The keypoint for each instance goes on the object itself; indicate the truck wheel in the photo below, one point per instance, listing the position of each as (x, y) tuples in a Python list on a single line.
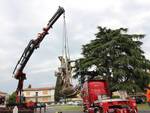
[(98, 110), (135, 111), (84, 109)]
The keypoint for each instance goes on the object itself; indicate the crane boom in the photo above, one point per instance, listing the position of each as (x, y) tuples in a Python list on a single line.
[(33, 44)]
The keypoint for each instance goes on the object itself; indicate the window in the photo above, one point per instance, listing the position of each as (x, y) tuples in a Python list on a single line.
[(28, 93), (36, 93), (45, 92), (45, 99)]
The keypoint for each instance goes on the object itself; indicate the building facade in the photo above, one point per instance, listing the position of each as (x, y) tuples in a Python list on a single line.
[(3, 97), (121, 94), (42, 95)]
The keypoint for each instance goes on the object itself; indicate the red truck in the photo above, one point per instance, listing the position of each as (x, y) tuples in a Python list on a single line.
[(96, 99)]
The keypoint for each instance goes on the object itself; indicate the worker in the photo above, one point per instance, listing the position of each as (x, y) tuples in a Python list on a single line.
[(148, 95)]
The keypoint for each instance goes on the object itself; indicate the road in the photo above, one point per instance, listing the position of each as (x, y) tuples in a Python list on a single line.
[(51, 110), (144, 111)]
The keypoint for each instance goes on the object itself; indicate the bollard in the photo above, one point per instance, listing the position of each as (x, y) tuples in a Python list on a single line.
[(15, 110), (40, 109), (35, 110), (58, 112), (44, 109)]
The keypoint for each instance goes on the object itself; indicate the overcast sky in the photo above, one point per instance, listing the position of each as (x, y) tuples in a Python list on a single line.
[(21, 20)]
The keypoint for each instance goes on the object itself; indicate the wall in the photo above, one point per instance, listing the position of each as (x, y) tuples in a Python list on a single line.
[(46, 96)]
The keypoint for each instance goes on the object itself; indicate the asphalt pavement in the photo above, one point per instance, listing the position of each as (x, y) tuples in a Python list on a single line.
[(51, 110), (143, 111)]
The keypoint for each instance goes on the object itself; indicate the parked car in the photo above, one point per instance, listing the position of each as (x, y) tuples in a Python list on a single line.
[(70, 103), (139, 99), (77, 103), (41, 105)]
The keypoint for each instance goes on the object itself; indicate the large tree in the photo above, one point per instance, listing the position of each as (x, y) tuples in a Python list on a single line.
[(118, 58), (12, 98)]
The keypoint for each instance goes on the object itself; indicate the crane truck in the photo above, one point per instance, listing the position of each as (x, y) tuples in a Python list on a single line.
[(97, 99), (33, 45)]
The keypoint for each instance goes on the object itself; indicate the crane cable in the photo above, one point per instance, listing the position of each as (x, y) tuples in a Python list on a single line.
[(65, 48)]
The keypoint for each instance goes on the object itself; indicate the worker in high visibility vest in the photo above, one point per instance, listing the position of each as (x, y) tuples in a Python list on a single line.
[(148, 95)]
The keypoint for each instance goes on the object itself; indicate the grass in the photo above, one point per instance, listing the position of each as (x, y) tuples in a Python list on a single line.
[(79, 108), (67, 108), (143, 107)]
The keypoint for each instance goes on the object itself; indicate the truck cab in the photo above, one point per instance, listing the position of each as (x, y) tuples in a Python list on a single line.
[(96, 99)]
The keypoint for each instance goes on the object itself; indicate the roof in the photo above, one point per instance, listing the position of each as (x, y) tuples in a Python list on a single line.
[(38, 89), (37, 96), (2, 92)]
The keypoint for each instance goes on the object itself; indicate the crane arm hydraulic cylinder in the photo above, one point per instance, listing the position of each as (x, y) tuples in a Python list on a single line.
[(33, 44)]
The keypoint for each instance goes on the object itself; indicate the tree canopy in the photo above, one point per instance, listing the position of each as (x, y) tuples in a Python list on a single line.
[(118, 58), (12, 98)]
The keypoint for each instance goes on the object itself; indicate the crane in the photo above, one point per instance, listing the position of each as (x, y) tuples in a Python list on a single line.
[(64, 87), (33, 44)]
